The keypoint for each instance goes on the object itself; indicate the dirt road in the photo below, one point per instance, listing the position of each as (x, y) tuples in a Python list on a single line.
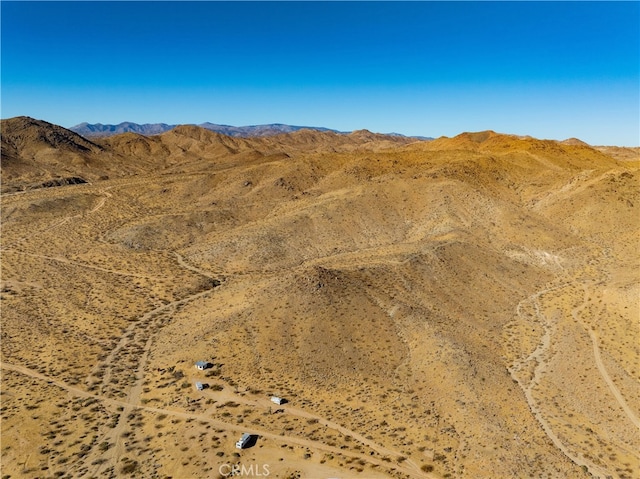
[(410, 471)]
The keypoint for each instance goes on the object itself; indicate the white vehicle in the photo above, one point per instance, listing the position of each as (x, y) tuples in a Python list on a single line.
[(244, 440)]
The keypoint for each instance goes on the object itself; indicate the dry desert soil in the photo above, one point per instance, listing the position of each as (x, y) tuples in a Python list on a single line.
[(466, 307)]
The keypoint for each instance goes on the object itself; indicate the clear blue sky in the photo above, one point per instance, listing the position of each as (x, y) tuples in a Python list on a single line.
[(547, 69)]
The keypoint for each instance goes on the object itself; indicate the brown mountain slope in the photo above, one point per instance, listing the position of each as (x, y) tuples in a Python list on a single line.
[(491, 142), (574, 141), (36, 153), (468, 311), (24, 134), (622, 153)]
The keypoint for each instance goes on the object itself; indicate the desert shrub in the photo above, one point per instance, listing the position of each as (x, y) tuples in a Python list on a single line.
[(129, 467)]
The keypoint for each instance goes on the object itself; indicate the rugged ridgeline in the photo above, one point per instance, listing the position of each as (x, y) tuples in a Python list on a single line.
[(99, 130), (148, 129), (465, 307), (36, 153)]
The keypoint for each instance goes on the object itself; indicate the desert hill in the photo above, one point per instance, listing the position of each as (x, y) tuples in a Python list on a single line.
[(496, 143), (30, 147), (38, 154), (23, 134), (621, 153), (465, 307)]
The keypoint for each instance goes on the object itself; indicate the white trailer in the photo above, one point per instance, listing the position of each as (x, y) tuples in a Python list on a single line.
[(244, 440)]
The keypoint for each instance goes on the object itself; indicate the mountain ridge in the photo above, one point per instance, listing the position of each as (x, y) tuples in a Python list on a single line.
[(96, 130), (36, 153)]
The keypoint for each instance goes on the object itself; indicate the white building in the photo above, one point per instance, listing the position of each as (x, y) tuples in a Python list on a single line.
[(202, 365)]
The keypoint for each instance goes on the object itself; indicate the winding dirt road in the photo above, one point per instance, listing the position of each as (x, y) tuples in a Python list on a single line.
[(539, 355), (411, 472)]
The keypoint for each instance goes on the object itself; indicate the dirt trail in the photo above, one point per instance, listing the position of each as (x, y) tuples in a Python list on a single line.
[(539, 356), (146, 326), (612, 387), (64, 220), (358, 437), (34, 374), (109, 361), (266, 404), (574, 185), (411, 472), (103, 200), (192, 268), (133, 399), (601, 367), (61, 259)]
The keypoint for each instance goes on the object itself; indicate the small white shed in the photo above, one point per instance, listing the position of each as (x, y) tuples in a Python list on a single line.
[(202, 365), (278, 400)]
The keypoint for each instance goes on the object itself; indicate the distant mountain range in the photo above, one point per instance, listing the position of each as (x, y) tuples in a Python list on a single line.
[(37, 154), (99, 130)]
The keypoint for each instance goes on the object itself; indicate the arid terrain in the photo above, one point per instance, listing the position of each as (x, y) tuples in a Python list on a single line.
[(466, 307)]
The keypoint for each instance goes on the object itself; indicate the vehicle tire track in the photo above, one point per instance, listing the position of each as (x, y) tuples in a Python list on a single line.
[(538, 356), (218, 423), (601, 367), (147, 324), (71, 262), (133, 399), (267, 404), (110, 360), (105, 194)]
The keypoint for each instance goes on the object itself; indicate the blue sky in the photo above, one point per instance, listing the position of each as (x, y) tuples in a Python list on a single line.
[(547, 69)]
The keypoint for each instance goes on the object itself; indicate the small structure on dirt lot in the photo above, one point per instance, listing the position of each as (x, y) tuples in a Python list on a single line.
[(202, 365), (277, 400), (244, 440), (199, 386)]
